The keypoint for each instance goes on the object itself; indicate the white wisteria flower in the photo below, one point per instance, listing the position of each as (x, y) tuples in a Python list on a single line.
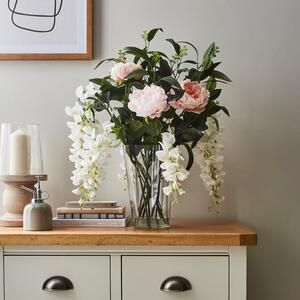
[(208, 155), (90, 142), (173, 171), (84, 94)]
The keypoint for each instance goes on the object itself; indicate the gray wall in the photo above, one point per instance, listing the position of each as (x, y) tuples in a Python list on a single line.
[(260, 47)]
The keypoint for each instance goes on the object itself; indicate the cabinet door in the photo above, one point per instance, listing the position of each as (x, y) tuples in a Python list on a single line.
[(144, 277), (26, 275)]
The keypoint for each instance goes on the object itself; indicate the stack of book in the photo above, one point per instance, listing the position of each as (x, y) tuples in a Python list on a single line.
[(94, 214)]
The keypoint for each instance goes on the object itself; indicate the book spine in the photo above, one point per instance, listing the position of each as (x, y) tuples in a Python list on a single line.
[(112, 210), (90, 223), (90, 216), (92, 204)]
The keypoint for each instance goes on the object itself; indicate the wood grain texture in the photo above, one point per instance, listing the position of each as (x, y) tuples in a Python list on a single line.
[(88, 55), (181, 233)]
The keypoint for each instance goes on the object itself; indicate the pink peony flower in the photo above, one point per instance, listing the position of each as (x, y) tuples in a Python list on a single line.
[(121, 70), (194, 99), (149, 102)]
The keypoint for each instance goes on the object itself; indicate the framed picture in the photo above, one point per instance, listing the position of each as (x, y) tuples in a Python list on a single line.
[(45, 29)]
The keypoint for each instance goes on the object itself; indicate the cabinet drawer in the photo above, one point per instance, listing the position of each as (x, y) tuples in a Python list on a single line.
[(142, 277), (26, 275)]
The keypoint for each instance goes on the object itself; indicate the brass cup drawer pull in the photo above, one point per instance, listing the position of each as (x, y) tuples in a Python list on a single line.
[(57, 283), (176, 284)]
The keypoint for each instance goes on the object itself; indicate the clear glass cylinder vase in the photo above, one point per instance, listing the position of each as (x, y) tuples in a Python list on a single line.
[(20, 150), (150, 208)]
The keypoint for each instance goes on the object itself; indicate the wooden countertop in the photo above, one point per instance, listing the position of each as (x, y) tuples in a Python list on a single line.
[(181, 233)]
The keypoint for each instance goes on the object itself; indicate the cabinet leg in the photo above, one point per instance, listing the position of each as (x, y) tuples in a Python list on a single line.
[(238, 272)]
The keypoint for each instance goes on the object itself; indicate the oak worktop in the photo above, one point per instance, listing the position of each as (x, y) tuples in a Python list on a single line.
[(181, 233)]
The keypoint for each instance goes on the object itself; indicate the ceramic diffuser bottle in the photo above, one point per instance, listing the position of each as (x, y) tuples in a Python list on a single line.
[(37, 215)]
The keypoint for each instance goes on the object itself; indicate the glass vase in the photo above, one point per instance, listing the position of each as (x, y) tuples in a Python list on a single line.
[(150, 208), (20, 150)]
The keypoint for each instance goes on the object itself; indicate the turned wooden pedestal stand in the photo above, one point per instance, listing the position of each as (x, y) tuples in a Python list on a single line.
[(15, 199)]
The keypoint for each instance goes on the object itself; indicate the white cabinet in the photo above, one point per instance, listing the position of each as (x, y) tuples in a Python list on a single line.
[(193, 260), (62, 277), (175, 277), (123, 272)]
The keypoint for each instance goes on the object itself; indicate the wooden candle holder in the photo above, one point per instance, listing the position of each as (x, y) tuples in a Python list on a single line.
[(15, 199)]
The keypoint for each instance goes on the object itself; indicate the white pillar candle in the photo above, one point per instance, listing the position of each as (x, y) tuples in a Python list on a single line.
[(19, 158)]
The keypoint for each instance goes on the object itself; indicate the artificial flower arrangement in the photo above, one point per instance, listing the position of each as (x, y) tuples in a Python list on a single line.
[(158, 106)]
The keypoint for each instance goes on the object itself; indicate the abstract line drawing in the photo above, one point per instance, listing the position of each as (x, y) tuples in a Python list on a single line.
[(14, 12)]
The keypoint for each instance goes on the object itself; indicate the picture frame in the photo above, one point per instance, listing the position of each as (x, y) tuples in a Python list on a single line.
[(46, 30)]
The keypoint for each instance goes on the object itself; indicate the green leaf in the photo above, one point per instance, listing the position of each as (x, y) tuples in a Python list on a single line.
[(164, 68), (106, 60), (195, 120), (136, 74), (166, 86), (170, 113), (175, 45), (190, 62), (191, 157), (160, 53), (151, 34), (136, 125), (125, 115), (200, 124), (104, 97), (194, 74), (150, 140), (116, 92), (220, 75), (178, 93), (212, 108), (116, 121), (208, 56), (214, 94), (154, 128), (172, 81), (99, 81), (144, 64), (211, 84), (137, 52), (190, 44), (209, 71), (210, 50), (214, 65), (136, 130), (171, 97), (225, 110), (137, 84), (190, 135)]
